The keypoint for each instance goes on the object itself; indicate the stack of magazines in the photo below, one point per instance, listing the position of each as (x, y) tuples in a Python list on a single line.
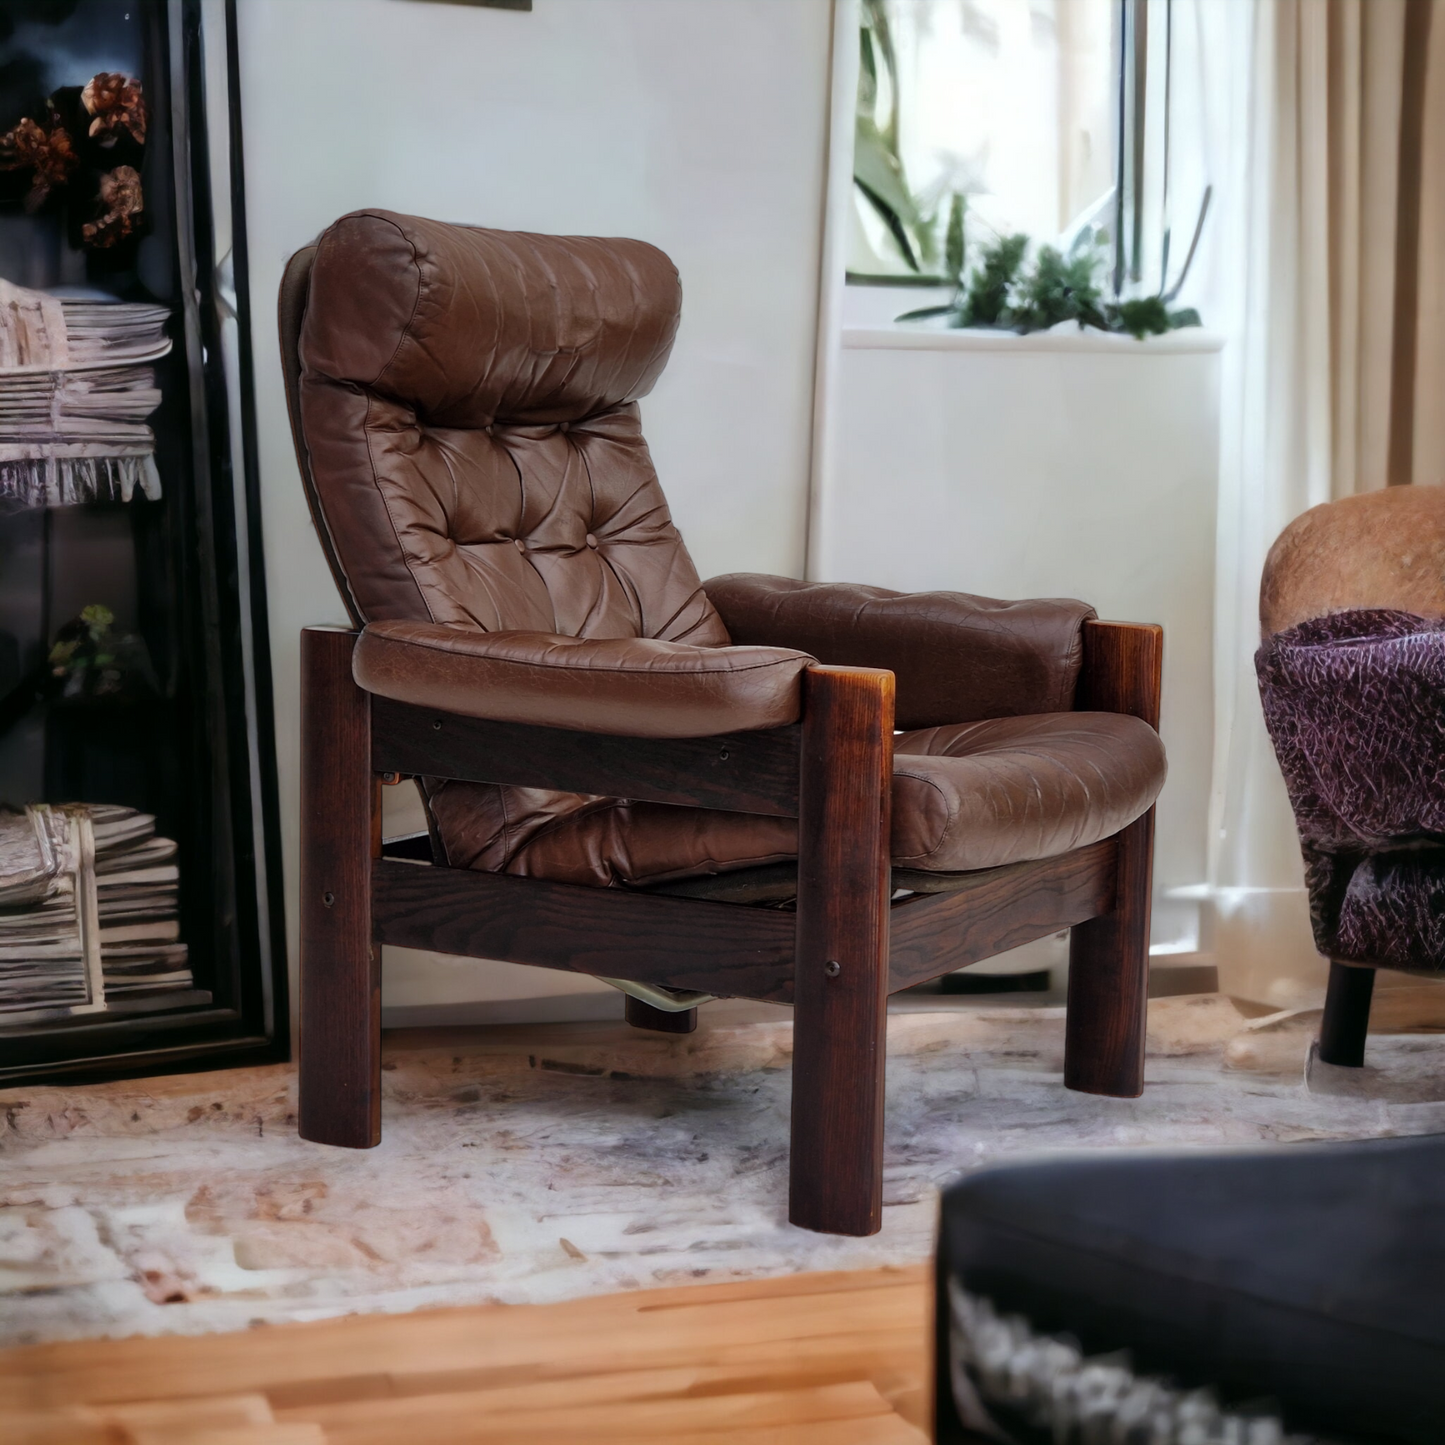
[(49, 965), (114, 331), (88, 914), (137, 885), (75, 395)]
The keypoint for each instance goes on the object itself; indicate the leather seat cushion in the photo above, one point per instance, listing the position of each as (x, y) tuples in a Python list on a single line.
[(973, 795), (982, 794), (634, 686)]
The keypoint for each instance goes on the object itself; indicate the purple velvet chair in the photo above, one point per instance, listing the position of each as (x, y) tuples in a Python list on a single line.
[(1352, 678)]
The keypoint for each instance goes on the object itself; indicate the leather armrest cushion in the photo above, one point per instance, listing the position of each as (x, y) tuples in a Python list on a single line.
[(631, 687), (956, 658)]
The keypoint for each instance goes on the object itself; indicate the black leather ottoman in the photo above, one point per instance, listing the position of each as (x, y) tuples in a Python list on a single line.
[(1297, 1289)]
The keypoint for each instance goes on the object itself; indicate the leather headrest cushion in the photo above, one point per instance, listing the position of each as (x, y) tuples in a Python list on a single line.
[(468, 326)]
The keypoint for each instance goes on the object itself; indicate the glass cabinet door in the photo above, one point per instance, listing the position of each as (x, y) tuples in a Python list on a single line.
[(140, 925)]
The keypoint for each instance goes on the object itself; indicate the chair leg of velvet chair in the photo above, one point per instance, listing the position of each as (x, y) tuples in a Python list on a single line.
[(1109, 979), (840, 989), (643, 1016), (340, 1025), (1347, 1015)]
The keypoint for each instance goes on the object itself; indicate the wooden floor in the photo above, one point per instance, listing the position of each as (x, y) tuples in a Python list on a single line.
[(815, 1359)]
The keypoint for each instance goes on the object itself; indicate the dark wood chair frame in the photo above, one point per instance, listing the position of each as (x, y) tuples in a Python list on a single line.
[(835, 960)]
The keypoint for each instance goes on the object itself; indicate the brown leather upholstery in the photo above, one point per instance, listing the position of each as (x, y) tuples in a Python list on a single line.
[(463, 391), (981, 794), (599, 841), (465, 411), (970, 795), (291, 313), (956, 658), (466, 419), (1377, 549), (633, 686)]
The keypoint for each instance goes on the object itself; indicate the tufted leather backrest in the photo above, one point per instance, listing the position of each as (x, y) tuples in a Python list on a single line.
[(465, 411)]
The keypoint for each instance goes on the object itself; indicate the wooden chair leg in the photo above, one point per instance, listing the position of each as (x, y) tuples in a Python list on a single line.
[(840, 998), (340, 1025), (1109, 979), (643, 1016), (1347, 1015), (1109, 956)]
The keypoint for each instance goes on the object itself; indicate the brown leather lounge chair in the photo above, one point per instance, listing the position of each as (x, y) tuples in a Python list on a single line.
[(1352, 676), (620, 763)]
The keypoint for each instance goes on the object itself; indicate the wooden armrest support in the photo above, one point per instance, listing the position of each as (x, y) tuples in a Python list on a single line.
[(1123, 669), (1109, 955), (840, 971)]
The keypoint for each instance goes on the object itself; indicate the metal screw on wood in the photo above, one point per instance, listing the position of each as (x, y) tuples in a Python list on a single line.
[(723, 756), (832, 968), (328, 899), (437, 725)]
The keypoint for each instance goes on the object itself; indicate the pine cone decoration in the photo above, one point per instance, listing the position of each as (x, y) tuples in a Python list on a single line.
[(117, 104), (120, 194), (48, 153)]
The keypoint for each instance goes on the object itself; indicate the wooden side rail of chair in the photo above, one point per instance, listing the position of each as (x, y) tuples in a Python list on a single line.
[(729, 949), (741, 772)]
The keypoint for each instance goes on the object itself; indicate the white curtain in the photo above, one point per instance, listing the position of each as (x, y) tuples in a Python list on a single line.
[(1308, 120)]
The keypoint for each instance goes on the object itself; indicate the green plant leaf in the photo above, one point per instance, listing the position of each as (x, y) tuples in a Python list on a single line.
[(879, 175), (924, 312), (1057, 290), (986, 298), (875, 26), (954, 248), (1143, 316), (867, 73)]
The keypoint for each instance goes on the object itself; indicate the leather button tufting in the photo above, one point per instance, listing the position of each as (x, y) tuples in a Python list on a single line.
[(520, 545), (564, 426), (591, 540)]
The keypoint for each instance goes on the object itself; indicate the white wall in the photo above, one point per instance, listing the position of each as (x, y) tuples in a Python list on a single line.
[(698, 125), (1075, 465)]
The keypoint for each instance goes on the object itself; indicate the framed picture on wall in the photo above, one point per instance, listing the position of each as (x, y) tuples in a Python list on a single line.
[(140, 900)]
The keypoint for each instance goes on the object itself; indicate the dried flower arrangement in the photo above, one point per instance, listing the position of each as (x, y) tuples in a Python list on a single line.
[(117, 104), (82, 149)]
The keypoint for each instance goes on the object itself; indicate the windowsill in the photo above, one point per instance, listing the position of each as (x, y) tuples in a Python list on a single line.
[(921, 336)]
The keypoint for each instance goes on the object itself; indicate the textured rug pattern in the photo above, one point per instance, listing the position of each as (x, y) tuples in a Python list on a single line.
[(535, 1163)]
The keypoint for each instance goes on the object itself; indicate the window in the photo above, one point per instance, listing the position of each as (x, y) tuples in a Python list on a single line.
[(980, 119)]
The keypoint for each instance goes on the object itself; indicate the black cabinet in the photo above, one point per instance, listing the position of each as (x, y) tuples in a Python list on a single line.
[(140, 891)]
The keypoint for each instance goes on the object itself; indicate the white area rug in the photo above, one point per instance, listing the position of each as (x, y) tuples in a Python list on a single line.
[(535, 1163)]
